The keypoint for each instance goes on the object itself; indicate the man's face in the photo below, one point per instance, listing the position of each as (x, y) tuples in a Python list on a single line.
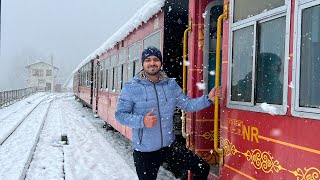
[(152, 65)]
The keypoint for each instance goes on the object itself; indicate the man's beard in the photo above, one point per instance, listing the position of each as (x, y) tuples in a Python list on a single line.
[(152, 73)]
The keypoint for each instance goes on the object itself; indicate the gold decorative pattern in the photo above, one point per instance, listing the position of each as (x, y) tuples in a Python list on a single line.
[(207, 135), (228, 148), (264, 161), (307, 174)]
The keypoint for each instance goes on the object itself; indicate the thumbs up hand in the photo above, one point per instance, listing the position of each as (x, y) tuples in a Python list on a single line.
[(149, 120)]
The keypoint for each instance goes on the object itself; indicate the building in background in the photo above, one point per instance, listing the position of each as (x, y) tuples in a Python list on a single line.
[(42, 75)]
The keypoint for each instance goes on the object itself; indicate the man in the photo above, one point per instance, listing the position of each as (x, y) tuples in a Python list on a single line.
[(147, 105)]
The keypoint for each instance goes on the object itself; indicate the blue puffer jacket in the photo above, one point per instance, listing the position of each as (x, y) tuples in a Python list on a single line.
[(139, 96)]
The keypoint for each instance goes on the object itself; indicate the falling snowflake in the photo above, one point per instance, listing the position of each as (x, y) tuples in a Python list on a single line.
[(201, 86), (204, 14), (187, 63), (170, 8), (211, 151), (212, 73), (276, 132), (291, 85)]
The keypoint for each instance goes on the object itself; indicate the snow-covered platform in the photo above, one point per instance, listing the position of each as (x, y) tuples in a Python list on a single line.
[(31, 146)]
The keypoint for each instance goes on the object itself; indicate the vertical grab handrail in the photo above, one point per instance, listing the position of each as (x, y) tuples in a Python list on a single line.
[(217, 83), (184, 77)]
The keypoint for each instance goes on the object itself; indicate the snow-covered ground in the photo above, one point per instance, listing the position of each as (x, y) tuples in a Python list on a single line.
[(31, 146)]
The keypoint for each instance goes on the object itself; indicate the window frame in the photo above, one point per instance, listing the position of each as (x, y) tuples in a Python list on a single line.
[(134, 59), (206, 42), (305, 112), (101, 76), (106, 72), (282, 11), (114, 75), (121, 66), (151, 34)]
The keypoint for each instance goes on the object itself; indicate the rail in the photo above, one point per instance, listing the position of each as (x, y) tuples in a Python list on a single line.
[(217, 83), (184, 77), (9, 97)]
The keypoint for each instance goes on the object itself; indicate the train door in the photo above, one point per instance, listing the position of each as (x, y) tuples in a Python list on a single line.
[(90, 76), (210, 54), (213, 11), (96, 87)]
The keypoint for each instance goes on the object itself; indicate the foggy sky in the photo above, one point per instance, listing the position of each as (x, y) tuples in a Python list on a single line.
[(67, 30)]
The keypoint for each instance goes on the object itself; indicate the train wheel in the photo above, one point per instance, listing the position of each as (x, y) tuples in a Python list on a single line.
[(109, 127)]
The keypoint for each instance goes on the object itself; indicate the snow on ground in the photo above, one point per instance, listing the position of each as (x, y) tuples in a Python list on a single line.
[(91, 152)]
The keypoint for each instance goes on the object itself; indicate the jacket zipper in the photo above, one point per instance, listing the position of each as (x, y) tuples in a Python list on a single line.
[(154, 86), (140, 135)]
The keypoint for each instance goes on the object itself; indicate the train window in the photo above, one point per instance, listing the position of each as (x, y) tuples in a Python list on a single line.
[(121, 74), (122, 56), (114, 73), (136, 67), (242, 63), (307, 74), (152, 40), (210, 40), (247, 8), (121, 69), (310, 58), (134, 51), (134, 57), (113, 78), (267, 64), (130, 70), (86, 72), (101, 75), (107, 69), (270, 61), (258, 54)]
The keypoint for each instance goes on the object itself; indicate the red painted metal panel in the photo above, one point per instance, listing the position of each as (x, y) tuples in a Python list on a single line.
[(262, 146), (199, 124)]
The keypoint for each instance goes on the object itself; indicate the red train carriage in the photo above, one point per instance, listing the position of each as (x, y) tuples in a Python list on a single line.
[(83, 84), (265, 126), (269, 116)]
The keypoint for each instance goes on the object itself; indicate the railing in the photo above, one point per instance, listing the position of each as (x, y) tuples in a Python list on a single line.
[(11, 96)]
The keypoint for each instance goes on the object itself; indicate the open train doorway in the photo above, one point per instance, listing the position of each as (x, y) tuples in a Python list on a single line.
[(212, 13)]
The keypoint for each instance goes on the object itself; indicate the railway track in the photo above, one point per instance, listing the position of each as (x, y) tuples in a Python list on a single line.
[(17, 107), (12, 121), (25, 130)]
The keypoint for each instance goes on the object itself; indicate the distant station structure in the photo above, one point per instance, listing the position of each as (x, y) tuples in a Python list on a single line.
[(43, 76)]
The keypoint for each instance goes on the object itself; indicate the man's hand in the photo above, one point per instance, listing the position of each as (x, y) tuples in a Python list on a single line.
[(149, 120), (216, 91)]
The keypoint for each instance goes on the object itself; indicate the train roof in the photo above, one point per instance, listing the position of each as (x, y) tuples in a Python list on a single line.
[(142, 16)]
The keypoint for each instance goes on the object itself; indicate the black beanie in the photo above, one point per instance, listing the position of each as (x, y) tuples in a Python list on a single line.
[(151, 51)]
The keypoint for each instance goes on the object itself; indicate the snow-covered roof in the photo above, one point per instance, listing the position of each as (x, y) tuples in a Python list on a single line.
[(142, 16), (42, 63)]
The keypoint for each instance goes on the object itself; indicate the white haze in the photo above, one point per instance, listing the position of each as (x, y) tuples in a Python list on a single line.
[(66, 30)]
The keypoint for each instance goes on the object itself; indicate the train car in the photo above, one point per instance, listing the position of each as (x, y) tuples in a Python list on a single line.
[(83, 84), (268, 120), (76, 84)]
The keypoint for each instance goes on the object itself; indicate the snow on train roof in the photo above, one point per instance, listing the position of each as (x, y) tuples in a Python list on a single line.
[(142, 16)]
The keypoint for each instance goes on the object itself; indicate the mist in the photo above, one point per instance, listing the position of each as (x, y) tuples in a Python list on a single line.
[(68, 31)]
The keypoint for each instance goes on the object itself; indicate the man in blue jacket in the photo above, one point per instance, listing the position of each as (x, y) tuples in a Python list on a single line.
[(147, 104)]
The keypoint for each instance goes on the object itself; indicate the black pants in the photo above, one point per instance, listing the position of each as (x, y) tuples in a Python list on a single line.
[(148, 163)]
